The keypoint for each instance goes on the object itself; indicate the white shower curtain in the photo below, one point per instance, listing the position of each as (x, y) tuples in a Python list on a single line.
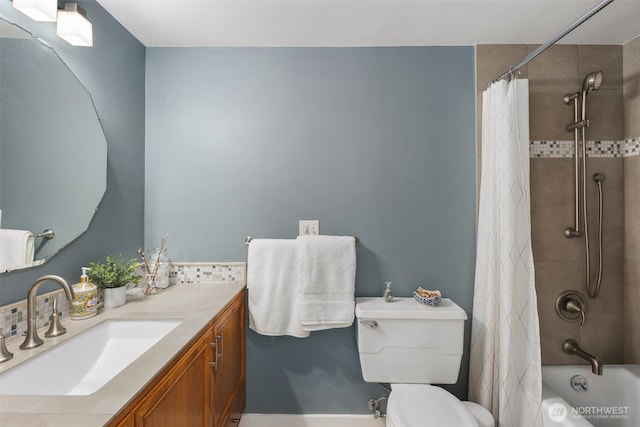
[(504, 371)]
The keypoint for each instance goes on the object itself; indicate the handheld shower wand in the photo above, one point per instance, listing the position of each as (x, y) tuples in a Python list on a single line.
[(592, 82)]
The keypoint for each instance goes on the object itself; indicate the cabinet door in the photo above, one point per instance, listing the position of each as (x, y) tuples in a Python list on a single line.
[(180, 400), (127, 422), (205, 387), (230, 370)]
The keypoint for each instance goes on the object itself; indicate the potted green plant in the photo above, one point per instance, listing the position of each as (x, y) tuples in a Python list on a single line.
[(112, 276)]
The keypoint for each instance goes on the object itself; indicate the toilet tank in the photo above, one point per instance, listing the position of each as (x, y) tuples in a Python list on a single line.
[(405, 341)]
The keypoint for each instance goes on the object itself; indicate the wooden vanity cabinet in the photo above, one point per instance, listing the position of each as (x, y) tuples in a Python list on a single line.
[(205, 386), (180, 398), (228, 400)]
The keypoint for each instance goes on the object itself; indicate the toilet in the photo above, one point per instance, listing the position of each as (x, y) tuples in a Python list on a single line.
[(411, 346)]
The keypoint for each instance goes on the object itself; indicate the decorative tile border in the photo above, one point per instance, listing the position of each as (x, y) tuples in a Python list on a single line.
[(564, 149), (632, 147), (200, 272), (551, 149), (13, 317)]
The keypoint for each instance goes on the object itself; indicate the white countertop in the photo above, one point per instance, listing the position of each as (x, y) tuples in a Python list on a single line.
[(197, 304)]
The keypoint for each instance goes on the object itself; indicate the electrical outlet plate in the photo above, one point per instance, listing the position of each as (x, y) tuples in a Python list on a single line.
[(308, 226)]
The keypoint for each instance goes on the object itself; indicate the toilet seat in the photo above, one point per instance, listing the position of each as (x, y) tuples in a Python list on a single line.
[(424, 405)]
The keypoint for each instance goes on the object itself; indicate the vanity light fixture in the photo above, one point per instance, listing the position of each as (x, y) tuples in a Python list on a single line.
[(38, 10), (73, 26)]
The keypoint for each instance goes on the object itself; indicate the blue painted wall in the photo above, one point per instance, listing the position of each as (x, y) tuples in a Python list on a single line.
[(373, 142), (113, 72)]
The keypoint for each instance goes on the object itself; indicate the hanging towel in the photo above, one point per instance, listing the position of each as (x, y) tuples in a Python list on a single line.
[(272, 281), (16, 249), (327, 266)]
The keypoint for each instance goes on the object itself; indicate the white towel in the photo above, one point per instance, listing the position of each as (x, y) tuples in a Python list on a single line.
[(272, 281), (16, 249), (327, 267)]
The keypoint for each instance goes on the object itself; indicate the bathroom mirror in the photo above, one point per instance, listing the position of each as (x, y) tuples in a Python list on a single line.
[(53, 151)]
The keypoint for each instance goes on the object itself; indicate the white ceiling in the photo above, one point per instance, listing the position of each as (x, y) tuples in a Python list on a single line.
[(370, 23)]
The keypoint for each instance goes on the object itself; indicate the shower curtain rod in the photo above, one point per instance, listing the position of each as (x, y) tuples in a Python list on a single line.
[(597, 8)]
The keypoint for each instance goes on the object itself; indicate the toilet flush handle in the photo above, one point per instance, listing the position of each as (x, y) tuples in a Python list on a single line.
[(370, 323)]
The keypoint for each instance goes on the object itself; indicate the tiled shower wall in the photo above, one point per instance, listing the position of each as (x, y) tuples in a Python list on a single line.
[(559, 262)]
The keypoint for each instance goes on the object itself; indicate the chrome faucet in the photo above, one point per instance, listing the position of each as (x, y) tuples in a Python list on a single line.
[(571, 347), (33, 340)]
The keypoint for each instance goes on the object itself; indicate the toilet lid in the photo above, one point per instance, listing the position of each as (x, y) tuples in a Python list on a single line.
[(422, 405)]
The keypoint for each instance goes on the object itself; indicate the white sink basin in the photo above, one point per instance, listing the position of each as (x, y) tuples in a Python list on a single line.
[(86, 362)]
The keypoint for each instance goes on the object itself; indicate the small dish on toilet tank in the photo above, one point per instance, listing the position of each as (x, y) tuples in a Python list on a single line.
[(427, 297)]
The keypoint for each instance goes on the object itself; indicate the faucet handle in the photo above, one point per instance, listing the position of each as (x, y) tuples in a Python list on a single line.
[(5, 354), (570, 305), (575, 306), (55, 327)]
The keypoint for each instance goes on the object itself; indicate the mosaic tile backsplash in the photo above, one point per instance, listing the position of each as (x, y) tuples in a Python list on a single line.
[(185, 272), (564, 149), (13, 317)]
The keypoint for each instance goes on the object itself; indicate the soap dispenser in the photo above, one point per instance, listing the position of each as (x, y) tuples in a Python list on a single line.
[(85, 302), (388, 295)]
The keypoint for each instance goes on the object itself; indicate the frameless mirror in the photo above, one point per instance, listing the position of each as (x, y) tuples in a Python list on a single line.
[(53, 151)]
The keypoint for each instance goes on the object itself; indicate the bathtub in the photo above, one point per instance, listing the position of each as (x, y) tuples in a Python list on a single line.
[(574, 397)]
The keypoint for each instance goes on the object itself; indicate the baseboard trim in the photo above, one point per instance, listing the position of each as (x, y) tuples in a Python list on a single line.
[(309, 420)]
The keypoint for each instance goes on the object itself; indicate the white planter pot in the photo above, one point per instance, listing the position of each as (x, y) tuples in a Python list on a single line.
[(115, 297)]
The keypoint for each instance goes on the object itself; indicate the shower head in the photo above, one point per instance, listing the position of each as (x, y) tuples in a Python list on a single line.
[(593, 81)]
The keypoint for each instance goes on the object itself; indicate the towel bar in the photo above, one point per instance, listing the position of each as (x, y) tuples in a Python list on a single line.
[(47, 234), (248, 240)]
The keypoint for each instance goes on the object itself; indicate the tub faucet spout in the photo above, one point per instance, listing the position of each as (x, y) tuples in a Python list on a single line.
[(33, 340), (571, 347)]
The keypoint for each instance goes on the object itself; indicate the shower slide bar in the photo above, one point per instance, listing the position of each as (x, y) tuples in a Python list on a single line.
[(509, 71), (592, 82)]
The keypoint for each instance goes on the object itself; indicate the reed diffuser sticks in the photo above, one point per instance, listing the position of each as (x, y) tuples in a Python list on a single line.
[(152, 269)]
